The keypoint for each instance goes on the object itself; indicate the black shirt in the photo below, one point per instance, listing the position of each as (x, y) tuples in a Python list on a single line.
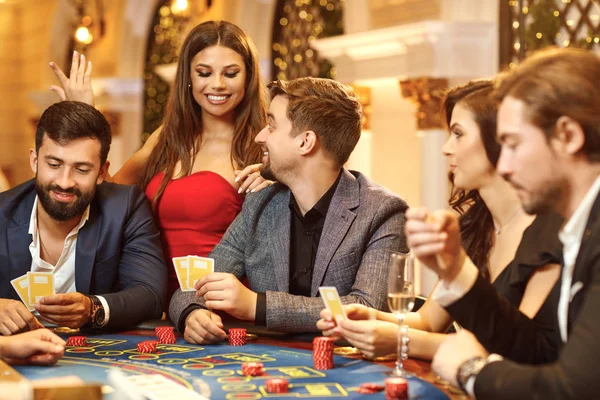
[(305, 234)]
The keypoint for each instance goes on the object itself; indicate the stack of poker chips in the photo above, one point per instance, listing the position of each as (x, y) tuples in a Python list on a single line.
[(148, 346), (165, 334), (237, 336), (396, 389), (77, 341), (252, 368), (323, 352), (277, 385)]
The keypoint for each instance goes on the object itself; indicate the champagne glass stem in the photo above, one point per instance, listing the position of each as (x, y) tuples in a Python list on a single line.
[(400, 356)]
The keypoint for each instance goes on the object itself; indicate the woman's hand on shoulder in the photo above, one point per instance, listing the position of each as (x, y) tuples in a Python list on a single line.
[(78, 86), (250, 179)]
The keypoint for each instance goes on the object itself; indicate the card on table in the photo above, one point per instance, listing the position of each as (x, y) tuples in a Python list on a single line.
[(21, 286), (199, 267), (332, 301), (40, 284)]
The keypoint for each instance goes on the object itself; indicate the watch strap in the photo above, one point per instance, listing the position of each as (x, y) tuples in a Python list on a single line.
[(469, 369)]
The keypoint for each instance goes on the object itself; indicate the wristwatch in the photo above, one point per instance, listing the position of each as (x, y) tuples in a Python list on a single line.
[(97, 314), (469, 369)]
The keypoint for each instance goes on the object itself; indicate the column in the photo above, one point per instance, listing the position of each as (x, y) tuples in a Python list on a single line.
[(426, 93)]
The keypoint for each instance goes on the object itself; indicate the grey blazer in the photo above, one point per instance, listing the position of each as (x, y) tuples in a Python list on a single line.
[(363, 226)]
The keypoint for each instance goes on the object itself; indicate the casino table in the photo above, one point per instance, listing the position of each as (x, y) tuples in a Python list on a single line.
[(215, 370)]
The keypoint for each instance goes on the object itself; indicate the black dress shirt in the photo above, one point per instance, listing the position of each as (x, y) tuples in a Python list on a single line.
[(305, 234)]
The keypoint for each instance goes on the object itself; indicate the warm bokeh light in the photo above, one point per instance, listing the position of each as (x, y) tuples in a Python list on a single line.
[(179, 7), (83, 35)]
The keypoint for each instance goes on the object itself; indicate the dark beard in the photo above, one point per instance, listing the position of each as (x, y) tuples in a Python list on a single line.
[(267, 173), (62, 211)]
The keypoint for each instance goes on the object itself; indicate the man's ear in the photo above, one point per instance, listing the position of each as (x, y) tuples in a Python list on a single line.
[(308, 143), (569, 136), (33, 160), (103, 172)]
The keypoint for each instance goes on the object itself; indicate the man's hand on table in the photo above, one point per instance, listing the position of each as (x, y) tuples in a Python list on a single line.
[(66, 309), (203, 326), (15, 318), (39, 346), (225, 292), (453, 352)]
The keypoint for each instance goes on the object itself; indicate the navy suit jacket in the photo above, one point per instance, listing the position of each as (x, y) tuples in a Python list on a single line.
[(118, 254)]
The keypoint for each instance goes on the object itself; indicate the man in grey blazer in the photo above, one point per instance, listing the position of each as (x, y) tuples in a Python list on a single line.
[(319, 225)]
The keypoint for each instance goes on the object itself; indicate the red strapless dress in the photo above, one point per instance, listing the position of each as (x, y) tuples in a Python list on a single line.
[(193, 214)]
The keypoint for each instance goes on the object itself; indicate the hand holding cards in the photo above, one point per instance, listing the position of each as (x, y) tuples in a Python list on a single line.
[(332, 301), (191, 269), (32, 286)]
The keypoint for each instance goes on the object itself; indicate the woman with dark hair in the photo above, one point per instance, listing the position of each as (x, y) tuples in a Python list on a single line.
[(196, 168), (520, 257)]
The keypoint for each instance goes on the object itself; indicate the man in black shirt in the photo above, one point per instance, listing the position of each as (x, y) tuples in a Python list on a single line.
[(319, 225)]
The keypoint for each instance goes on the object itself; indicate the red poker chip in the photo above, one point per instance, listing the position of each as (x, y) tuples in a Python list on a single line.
[(277, 385), (362, 390), (372, 386), (77, 341)]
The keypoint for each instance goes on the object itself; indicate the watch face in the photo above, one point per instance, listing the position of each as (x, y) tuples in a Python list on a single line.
[(99, 317)]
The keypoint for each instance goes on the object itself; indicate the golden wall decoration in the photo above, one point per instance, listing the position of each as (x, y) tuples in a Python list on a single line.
[(426, 93)]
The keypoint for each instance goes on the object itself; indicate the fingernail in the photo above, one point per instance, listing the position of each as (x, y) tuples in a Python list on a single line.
[(253, 190), (240, 190), (247, 190), (51, 64), (74, 53), (237, 179), (82, 56)]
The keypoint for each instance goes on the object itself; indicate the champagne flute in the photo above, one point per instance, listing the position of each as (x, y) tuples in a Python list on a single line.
[(401, 300)]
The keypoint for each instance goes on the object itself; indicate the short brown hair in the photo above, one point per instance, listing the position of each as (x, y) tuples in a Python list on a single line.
[(330, 109), (559, 82)]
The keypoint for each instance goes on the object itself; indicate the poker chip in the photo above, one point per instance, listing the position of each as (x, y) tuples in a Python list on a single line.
[(148, 346), (396, 388), (372, 386), (323, 352), (362, 390), (76, 341), (165, 335), (252, 368), (277, 385), (237, 336)]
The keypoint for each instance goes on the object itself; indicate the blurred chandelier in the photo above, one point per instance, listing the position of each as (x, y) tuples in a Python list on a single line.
[(89, 24)]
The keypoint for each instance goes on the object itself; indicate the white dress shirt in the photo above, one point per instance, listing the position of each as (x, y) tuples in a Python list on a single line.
[(64, 270), (571, 236)]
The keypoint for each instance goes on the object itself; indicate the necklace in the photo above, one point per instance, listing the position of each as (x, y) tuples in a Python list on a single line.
[(498, 229), (46, 251)]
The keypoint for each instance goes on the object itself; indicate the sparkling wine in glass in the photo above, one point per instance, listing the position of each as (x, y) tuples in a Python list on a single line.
[(401, 300)]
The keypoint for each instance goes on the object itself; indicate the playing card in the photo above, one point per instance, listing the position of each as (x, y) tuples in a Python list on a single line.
[(40, 284), (182, 269), (21, 286), (332, 301), (199, 266)]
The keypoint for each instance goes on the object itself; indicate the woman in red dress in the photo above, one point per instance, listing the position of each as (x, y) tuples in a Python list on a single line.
[(196, 168)]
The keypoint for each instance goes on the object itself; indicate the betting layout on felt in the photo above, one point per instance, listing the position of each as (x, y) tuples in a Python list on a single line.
[(190, 269), (32, 286)]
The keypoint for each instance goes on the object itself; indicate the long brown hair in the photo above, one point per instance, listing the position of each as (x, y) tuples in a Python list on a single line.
[(181, 135), (476, 223)]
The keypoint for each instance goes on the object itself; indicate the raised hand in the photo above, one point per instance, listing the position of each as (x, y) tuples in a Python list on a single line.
[(78, 86), (434, 238)]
